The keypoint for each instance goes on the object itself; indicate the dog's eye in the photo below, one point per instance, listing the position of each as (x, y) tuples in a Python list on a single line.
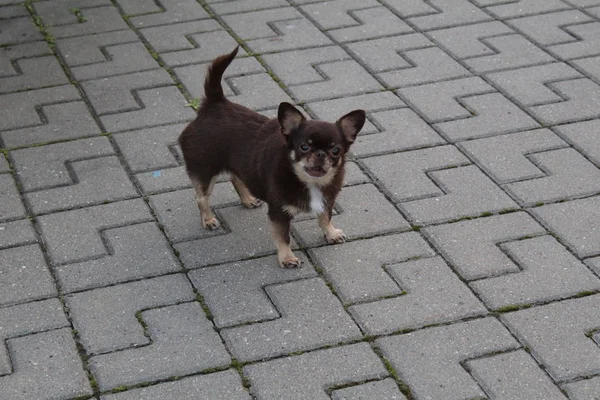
[(335, 151), (304, 147)]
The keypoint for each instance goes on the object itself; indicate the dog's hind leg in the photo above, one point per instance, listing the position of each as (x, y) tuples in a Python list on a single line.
[(248, 200), (204, 189)]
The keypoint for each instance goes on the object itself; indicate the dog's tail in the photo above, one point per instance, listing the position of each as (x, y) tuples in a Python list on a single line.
[(212, 84)]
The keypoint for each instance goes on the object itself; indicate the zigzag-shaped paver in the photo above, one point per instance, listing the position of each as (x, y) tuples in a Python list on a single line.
[(163, 12)]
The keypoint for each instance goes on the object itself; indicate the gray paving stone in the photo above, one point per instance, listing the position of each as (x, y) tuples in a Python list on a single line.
[(16, 233), (225, 385), (4, 166), (354, 175), (235, 292), (585, 389), (472, 247), (358, 270), (304, 376), (378, 390), (321, 73), (413, 183), (438, 13), (19, 64), (94, 181), (348, 21), (10, 9), (548, 272), (182, 341), (163, 180), (311, 317), (556, 334), (431, 294), (594, 264), (105, 318), (587, 44), (275, 30), (513, 375), (582, 135), (178, 212), (26, 319), (460, 199), (576, 223), (435, 355), (187, 42), (105, 54), (136, 251), (520, 7), (364, 212), (529, 86), (590, 66), (223, 7), (438, 101), (582, 97), (549, 29), (19, 30), (24, 275), (505, 157), (245, 82), (568, 175), (64, 23), (249, 236), (11, 206), (74, 236), (46, 365), (61, 115), (150, 149), (169, 12)]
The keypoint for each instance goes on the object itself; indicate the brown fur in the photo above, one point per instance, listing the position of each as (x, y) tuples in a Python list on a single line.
[(267, 158)]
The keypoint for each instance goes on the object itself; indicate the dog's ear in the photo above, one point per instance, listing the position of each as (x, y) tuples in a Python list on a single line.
[(289, 118), (351, 123)]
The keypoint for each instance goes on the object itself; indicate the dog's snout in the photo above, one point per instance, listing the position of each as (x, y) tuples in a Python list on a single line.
[(320, 154)]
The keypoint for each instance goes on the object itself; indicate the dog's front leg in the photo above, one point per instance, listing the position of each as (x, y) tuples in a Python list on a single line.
[(332, 234), (280, 224)]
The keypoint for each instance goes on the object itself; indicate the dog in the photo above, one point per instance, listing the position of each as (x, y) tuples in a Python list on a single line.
[(291, 163)]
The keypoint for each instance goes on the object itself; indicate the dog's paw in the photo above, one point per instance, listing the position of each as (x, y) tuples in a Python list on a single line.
[(335, 236), (210, 223), (252, 202), (290, 262)]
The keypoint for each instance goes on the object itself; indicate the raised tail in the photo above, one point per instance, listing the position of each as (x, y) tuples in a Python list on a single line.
[(212, 84)]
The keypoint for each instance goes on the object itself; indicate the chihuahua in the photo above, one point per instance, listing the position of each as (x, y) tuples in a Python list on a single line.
[(291, 163)]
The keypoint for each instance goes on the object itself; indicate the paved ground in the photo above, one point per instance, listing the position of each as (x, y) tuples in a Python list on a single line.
[(472, 203)]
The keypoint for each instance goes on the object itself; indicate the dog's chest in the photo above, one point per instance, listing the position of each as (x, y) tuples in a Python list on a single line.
[(315, 203)]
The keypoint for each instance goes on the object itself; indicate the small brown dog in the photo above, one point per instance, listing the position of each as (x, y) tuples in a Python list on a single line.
[(293, 164)]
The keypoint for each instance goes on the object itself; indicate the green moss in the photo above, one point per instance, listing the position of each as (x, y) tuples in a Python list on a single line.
[(194, 103), (79, 14)]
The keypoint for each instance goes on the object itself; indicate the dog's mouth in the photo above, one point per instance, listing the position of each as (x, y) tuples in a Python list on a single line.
[(316, 171)]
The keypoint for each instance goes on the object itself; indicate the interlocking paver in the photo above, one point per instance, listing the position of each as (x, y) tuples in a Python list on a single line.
[(17, 26), (520, 7), (365, 212), (549, 29), (275, 30), (11, 206), (309, 375), (240, 297), (576, 223), (19, 64), (311, 317), (321, 73), (569, 175), (436, 354), (584, 389), (224, 385), (590, 66), (173, 330), (105, 54), (582, 136), (24, 275), (16, 233), (168, 12), (505, 157), (103, 330), (378, 390), (426, 281), (556, 334), (348, 21), (431, 14), (223, 7), (44, 115), (587, 44)]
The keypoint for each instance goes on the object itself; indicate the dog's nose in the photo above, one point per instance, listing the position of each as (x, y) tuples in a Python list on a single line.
[(320, 154)]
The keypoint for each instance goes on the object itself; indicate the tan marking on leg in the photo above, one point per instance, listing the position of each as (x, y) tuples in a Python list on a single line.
[(286, 257), (248, 200), (209, 221), (332, 234)]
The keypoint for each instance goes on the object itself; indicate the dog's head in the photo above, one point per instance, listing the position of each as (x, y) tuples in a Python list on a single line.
[(318, 148)]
